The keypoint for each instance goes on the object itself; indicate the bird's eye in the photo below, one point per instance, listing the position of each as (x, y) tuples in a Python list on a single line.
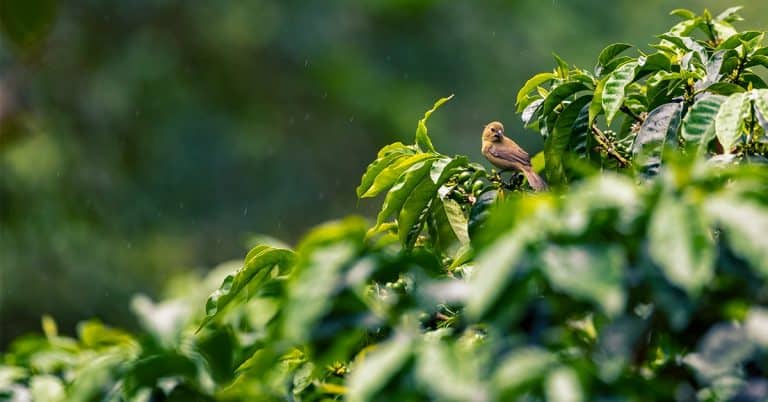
[(493, 129)]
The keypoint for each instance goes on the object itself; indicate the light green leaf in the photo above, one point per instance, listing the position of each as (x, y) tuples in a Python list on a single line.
[(531, 84), (255, 271), (457, 220), (729, 122), (378, 367), (597, 101), (745, 224), (410, 220), (613, 93), (400, 192), (679, 243), (387, 156), (391, 173), (522, 367), (699, 124), (563, 386), (591, 272), (495, 268), (760, 98), (422, 139), (609, 53)]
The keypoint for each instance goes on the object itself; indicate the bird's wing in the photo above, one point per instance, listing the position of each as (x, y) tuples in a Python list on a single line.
[(511, 152)]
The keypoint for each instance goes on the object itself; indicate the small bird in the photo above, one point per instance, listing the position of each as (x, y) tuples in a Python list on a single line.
[(505, 154)]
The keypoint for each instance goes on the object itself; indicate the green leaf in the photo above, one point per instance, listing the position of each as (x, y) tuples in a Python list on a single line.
[(323, 256), (745, 224), (148, 371), (760, 98), (559, 94), (729, 15), (597, 101), (400, 192), (615, 86), (531, 84), (563, 386), (658, 130), (389, 175), (683, 13), (580, 137), (609, 53), (699, 124), (530, 112), (422, 139), (495, 268), (379, 366), (386, 157), (591, 272), (255, 272), (557, 142), (724, 88), (522, 367), (729, 121), (47, 388), (679, 243), (410, 220), (26, 23), (457, 220)]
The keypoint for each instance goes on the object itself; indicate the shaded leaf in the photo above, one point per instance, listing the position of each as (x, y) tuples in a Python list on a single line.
[(559, 94), (557, 142), (659, 128)]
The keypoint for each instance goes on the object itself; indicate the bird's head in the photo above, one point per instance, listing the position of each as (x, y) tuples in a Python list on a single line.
[(493, 131)]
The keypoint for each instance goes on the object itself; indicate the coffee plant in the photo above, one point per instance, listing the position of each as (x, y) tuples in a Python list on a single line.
[(640, 277)]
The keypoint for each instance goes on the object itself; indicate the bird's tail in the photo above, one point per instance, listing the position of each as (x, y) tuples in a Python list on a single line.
[(534, 180)]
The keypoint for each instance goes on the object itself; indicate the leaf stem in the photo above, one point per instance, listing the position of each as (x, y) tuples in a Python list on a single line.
[(627, 110), (600, 137)]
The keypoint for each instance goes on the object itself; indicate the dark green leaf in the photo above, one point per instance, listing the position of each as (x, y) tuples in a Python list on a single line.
[(26, 23), (557, 142), (657, 130), (724, 88), (559, 94)]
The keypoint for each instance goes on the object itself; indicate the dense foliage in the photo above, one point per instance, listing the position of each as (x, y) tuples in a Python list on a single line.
[(641, 277)]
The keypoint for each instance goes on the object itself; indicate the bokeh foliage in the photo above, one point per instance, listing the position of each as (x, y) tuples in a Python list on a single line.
[(143, 138), (624, 283)]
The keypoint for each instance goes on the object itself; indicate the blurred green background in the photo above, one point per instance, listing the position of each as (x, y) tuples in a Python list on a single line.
[(142, 139)]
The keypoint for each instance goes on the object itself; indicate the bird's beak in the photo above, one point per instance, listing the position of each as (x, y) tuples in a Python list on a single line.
[(498, 134)]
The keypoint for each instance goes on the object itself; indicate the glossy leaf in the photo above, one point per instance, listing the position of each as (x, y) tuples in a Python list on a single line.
[(699, 123), (559, 94), (614, 91), (609, 53), (557, 142), (400, 192), (391, 173), (254, 272), (531, 84), (657, 130)]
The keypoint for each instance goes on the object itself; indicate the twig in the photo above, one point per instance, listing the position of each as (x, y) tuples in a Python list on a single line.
[(600, 137), (632, 114)]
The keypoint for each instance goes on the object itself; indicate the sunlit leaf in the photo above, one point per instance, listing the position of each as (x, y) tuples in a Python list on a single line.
[(615, 86), (729, 121), (699, 123), (422, 138)]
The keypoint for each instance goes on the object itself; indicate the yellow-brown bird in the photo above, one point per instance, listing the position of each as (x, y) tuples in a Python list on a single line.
[(505, 154)]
